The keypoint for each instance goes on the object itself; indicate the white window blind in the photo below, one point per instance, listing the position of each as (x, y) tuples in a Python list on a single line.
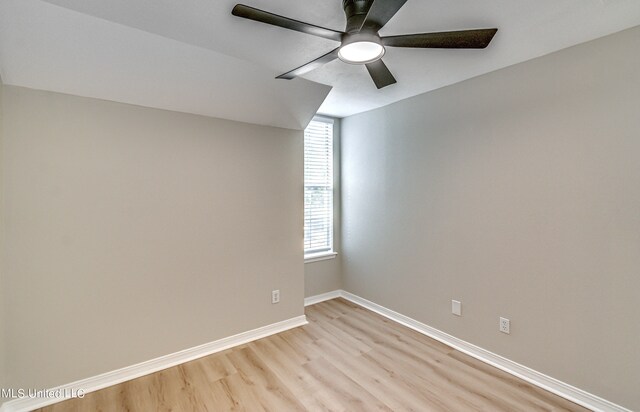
[(318, 187)]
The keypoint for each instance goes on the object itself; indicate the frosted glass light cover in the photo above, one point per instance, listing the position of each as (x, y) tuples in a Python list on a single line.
[(361, 52)]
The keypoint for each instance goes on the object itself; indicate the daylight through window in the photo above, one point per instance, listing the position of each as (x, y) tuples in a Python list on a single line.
[(318, 187)]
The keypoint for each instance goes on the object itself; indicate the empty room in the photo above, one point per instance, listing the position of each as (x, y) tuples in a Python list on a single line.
[(329, 205)]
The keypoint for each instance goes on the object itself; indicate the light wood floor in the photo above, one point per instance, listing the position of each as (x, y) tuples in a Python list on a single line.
[(346, 359)]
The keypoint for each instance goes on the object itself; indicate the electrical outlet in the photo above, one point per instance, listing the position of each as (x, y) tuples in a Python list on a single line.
[(505, 325), (456, 307), (275, 296)]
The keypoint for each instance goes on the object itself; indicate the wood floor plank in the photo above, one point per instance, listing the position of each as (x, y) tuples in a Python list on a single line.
[(431, 379), (353, 396), (397, 330), (371, 331), (301, 339), (244, 398), (375, 379), (309, 391), (350, 343), (272, 393), (346, 359), (507, 381)]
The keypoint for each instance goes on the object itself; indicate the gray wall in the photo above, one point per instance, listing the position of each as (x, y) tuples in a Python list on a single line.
[(133, 233), (326, 275), (322, 276), (518, 193), (3, 298)]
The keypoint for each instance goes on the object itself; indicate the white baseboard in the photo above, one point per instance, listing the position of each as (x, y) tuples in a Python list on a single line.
[(312, 300), (536, 378), (135, 371), (541, 380)]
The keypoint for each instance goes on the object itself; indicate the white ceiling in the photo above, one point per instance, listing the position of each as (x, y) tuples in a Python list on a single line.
[(47, 47), (190, 41)]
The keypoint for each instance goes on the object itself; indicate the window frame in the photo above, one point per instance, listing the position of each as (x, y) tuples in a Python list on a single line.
[(331, 253)]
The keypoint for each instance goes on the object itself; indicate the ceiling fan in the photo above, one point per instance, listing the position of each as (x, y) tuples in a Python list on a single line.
[(360, 43)]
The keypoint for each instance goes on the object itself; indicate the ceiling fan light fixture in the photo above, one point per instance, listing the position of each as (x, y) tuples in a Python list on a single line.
[(360, 42), (361, 52)]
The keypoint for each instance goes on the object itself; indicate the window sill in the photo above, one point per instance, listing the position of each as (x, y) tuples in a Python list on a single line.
[(316, 257)]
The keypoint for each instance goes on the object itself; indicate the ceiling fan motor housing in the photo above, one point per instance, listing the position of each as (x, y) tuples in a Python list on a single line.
[(361, 37), (356, 11)]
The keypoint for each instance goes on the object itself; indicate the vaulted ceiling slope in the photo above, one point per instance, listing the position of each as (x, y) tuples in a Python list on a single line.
[(48, 47), (177, 54)]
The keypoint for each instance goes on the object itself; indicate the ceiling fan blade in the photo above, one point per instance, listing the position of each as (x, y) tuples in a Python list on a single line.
[(262, 16), (312, 65), (380, 74), (380, 12), (464, 39)]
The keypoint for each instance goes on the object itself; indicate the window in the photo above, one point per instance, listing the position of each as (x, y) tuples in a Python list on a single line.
[(318, 188)]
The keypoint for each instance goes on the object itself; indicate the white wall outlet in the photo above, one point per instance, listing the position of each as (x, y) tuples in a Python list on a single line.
[(275, 296), (456, 307), (505, 325)]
